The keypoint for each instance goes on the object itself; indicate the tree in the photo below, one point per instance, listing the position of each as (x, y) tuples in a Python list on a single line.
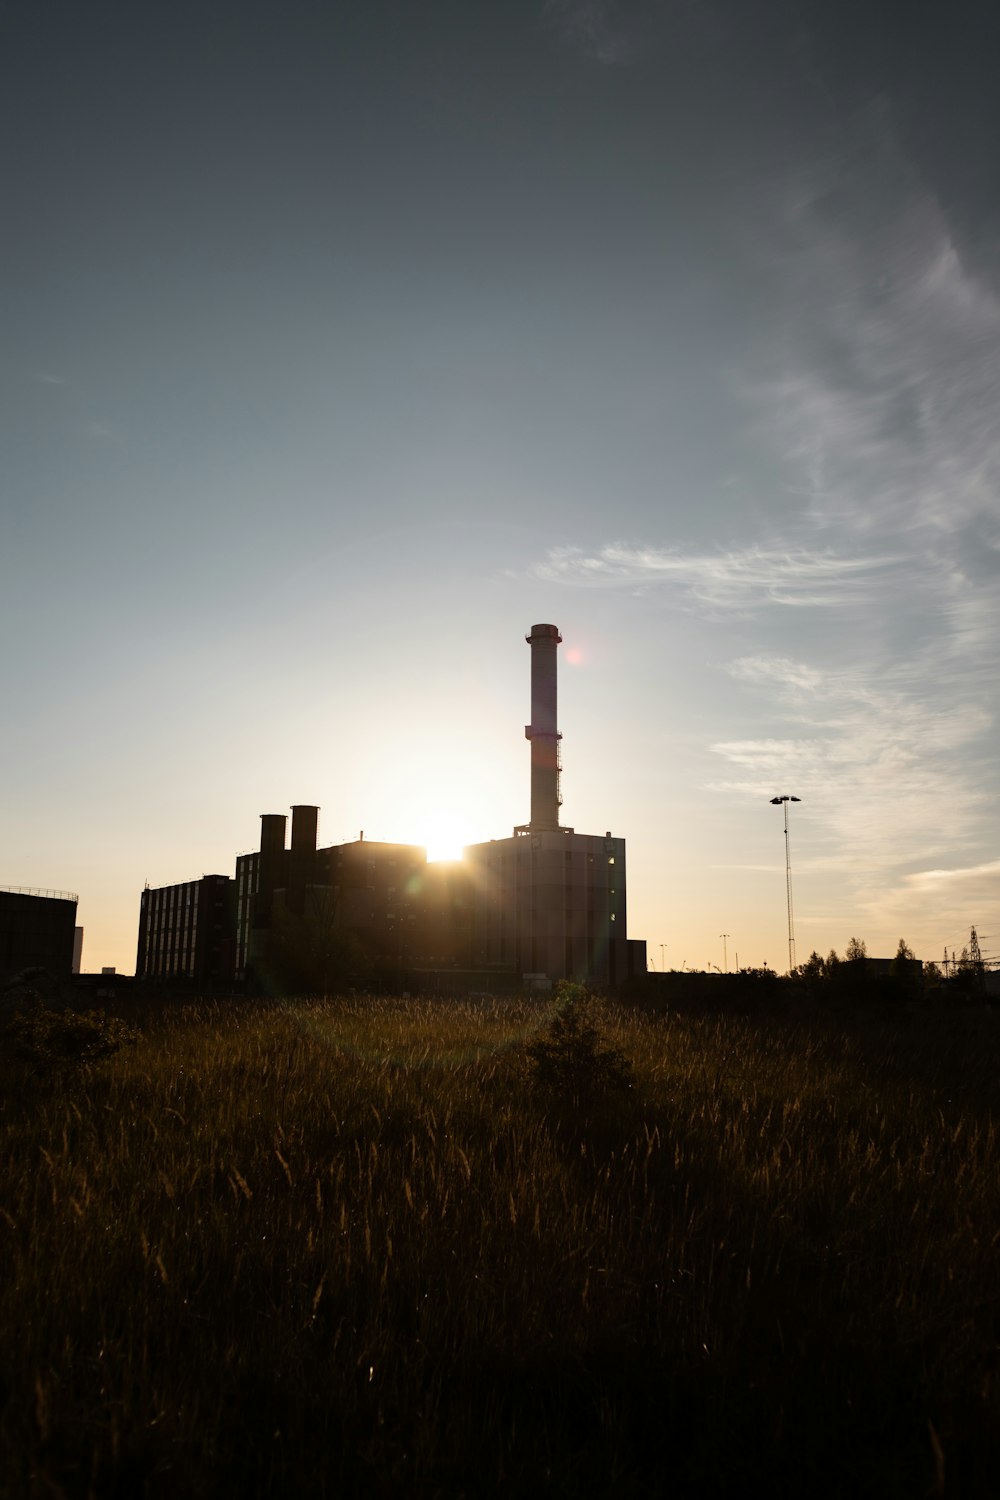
[(812, 970), (815, 974), (970, 971), (904, 971), (932, 979), (855, 980)]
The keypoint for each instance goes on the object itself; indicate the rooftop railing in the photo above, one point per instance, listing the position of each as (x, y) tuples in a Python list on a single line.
[(31, 890)]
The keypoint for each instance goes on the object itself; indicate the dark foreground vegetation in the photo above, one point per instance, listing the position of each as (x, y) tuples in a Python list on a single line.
[(401, 1248)]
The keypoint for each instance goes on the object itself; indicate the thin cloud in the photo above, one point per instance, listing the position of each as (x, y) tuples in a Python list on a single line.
[(778, 670), (885, 772), (950, 902), (934, 879), (592, 27), (103, 433), (616, 32), (772, 757), (883, 397), (880, 408), (737, 580)]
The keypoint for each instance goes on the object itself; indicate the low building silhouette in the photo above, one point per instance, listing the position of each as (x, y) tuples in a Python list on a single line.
[(36, 930)]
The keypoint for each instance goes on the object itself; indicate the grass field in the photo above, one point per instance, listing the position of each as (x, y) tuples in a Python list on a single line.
[(351, 1247)]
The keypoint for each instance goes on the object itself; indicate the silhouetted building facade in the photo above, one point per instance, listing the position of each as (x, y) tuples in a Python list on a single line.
[(377, 894), (247, 890), (273, 877), (36, 931), (551, 903), (186, 932), (371, 890), (638, 959), (444, 911)]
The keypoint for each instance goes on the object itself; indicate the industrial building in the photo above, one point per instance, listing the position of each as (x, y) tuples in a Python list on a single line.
[(373, 891), (550, 901), (551, 904), (547, 903), (36, 930), (186, 932)]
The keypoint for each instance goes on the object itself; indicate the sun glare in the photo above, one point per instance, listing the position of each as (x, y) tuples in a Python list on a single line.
[(446, 836), (437, 805)]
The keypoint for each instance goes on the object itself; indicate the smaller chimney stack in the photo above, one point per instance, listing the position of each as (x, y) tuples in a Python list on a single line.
[(302, 855), (271, 872), (305, 821)]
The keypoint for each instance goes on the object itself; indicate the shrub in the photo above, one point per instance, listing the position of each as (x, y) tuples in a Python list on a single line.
[(569, 1062), (60, 1039)]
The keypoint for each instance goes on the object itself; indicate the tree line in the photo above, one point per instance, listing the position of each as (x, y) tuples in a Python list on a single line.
[(857, 976)]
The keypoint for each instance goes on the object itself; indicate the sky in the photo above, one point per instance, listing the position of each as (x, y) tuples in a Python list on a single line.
[(340, 344)]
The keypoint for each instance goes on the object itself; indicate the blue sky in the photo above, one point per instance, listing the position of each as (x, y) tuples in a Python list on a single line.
[(342, 344)]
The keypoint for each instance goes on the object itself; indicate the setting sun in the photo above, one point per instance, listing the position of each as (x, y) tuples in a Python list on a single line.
[(446, 834), (440, 803)]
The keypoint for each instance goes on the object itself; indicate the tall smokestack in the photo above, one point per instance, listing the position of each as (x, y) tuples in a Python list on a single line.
[(542, 731)]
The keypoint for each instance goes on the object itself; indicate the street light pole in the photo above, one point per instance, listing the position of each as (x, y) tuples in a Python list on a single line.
[(725, 951), (663, 957), (777, 802)]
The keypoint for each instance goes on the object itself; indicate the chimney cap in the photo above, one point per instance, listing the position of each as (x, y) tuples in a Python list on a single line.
[(543, 632)]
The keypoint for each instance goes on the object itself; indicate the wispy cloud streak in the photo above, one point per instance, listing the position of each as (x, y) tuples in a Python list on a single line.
[(888, 777), (740, 579), (881, 410), (883, 400), (591, 27)]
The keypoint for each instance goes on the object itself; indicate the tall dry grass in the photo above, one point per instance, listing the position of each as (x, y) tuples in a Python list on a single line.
[(350, 1247)]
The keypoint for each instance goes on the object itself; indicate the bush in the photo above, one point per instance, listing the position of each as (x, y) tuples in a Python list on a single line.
[(569, 1063), (60, 1039)]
